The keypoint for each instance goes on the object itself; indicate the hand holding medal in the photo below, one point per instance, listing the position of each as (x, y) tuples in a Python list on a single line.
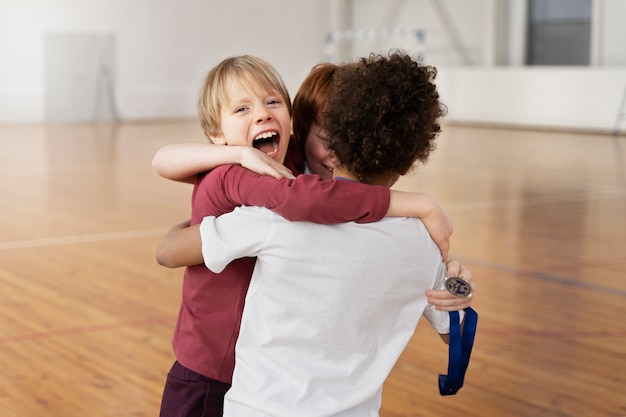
[(458, 286)]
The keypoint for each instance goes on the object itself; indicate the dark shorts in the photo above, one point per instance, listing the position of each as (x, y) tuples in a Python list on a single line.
[(189, 394)]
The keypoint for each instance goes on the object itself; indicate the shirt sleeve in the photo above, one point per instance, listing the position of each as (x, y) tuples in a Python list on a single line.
[(306, 198), (238, 234)]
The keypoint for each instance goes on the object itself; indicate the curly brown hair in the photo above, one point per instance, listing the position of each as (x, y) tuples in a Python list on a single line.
[(382, 115)]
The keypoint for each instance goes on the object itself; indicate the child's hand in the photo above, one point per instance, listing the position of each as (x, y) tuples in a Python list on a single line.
[(256, 161), (442, 299), (440, 227)]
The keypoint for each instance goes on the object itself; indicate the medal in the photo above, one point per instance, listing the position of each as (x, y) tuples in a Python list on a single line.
[(458, 286)]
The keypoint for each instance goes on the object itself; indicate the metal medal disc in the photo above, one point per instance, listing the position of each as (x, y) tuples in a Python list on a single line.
[(458, 286)]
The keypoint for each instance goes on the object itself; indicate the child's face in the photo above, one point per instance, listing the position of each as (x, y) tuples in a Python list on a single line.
[(318, 158), (257, 118)]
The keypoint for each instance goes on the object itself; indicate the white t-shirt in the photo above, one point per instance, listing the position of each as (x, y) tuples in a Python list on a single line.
[(328, 312)]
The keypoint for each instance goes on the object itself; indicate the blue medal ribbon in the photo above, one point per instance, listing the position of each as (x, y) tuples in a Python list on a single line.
[(459, 351)]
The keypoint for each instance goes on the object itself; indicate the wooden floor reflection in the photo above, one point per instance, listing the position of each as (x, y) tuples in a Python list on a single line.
[(86, 314)]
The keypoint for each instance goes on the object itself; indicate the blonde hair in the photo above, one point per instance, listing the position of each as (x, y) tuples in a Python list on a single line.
[(245, 69)]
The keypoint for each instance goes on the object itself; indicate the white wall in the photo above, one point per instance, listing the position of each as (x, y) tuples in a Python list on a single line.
[(547, 97), (164, 47)]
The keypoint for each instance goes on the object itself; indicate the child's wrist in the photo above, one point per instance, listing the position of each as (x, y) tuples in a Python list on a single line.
[(240, 153)]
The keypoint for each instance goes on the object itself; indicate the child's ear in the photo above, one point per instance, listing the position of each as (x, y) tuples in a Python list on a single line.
[(216, 137), (218, 140)]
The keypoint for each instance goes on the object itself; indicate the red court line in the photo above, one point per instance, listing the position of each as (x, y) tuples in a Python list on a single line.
[(86, 329)]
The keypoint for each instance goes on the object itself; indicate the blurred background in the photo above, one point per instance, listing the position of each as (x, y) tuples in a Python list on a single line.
[(545, 63), (529, 165)]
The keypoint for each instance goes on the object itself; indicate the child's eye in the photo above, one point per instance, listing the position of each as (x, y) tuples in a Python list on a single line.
[(240, 109), (273, 101)]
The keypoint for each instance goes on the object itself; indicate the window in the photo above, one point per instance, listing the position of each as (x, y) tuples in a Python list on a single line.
[(559, 32)]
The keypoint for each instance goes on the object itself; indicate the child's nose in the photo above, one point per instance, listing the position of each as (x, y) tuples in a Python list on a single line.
[(264, 116)]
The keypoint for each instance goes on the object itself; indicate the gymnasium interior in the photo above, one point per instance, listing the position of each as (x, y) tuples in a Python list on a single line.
[(529, 166)]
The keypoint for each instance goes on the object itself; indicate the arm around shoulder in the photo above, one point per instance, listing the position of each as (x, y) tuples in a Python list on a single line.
[(310, 198), (427, 208), (184, 161)]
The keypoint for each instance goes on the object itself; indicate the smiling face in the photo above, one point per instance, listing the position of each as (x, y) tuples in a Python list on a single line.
[(318, 158), (255, 117)]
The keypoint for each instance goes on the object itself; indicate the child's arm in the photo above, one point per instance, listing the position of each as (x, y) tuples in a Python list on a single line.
[(306, 198), (184, 161), (181, 246), (310, 198)]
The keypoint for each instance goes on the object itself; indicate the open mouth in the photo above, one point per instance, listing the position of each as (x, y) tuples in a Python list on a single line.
[(267, 142)]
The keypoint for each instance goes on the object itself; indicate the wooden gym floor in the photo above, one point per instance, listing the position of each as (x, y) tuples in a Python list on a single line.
[(86, 314)]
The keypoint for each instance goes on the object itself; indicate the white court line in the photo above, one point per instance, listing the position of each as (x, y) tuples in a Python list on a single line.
[(450, 208), (68, 240)]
